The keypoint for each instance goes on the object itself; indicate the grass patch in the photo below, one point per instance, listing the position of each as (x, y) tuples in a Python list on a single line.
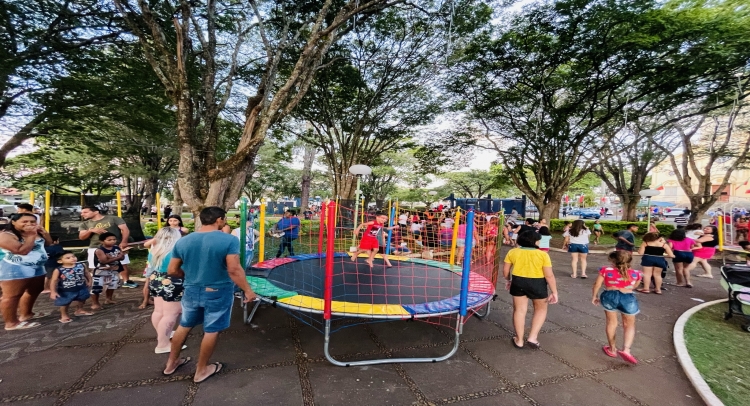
[(720, 351)]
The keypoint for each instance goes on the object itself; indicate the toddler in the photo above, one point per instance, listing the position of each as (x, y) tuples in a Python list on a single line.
[(108, 267), (70, 283)]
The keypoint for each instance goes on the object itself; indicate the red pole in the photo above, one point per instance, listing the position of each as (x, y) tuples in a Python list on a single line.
[(322, 226), (330, 248)]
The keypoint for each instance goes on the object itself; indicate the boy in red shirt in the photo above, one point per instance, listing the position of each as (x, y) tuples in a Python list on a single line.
[(371, 239)]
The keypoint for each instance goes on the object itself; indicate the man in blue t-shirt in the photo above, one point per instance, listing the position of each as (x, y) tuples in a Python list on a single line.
[(289, 224), (209, 263)]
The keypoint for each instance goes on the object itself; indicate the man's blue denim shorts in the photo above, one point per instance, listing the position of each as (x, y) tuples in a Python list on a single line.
[(211, 307), (616, 301)]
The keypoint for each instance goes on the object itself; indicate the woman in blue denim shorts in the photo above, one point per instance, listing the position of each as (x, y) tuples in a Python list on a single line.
[(578, 246), (619, 281)]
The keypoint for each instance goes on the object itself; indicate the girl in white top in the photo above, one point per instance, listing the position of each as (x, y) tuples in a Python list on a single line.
[(577, 239)]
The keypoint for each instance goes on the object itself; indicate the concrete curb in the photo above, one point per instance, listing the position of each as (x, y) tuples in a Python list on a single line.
[(687, 363)]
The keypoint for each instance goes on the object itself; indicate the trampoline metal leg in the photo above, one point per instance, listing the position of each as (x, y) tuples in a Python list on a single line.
[(249, 317), (456, 342), (486, 312)]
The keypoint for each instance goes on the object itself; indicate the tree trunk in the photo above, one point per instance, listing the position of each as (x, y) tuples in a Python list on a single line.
[(133, 221), (629, 207), (177, 204), (549, 211), (307, 160)]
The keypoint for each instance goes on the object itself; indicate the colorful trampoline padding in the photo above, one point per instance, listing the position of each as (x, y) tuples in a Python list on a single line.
[(480, 292)]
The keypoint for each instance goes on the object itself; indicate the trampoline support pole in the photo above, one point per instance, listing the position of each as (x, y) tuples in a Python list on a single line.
[(248, 318), (454, 349)]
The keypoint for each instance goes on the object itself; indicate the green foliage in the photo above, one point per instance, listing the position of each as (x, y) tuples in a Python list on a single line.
[(612, 226), (477, 183)]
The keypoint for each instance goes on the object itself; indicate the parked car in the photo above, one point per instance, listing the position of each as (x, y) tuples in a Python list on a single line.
[(588, 214), (673, 213)]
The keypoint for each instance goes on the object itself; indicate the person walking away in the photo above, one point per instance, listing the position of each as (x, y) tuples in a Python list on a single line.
[(371, 239), (289, 224), (94, 224), (598, 231), (107, 269), (626, 238), (683, 255), (166, 290), (528, 275), (708, 242), (578, 247), (22, 259), (251, 238), (653, 250), (70, 283), (546, 238), (53, 251), (209, 263), (618, 297)]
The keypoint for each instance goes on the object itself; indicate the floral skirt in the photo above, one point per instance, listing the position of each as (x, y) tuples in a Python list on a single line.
[(169, 288)]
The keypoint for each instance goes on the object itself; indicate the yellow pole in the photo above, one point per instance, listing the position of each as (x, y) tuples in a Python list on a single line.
[(455, 236), (158, 212), (83, 203), (262, 242), (119, 204), (31, 198), (362, 220), (721, 232), (47, 200), (336, 214)]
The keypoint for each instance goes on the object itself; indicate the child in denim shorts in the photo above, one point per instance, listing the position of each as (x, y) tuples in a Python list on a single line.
[(619, 281), (70, 283)]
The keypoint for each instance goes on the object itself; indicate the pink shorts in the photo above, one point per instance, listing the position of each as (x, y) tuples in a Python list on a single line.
[(705, 252)]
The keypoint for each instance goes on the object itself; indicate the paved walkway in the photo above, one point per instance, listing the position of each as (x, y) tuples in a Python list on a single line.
[(108, 359)]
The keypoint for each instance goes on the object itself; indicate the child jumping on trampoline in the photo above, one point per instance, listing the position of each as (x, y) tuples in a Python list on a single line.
[(369, 243)]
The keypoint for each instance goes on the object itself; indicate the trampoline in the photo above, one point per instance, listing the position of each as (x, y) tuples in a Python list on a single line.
[(423, 288), (327, 284)]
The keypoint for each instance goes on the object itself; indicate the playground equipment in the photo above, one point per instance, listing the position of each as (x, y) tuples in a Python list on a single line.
[(327, 289)]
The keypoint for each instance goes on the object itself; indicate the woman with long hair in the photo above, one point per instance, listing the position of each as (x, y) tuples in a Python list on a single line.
[(175, 221), (597, 231), (578, 236), (708, 241), (528, 275), (619, 281), (22, 270), (166, 290), (653, 261)]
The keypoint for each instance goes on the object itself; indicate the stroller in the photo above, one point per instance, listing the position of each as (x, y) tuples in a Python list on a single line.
[(735, 279)]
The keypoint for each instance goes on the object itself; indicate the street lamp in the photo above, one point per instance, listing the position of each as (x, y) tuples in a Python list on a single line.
[(358, 171), (648, 194)]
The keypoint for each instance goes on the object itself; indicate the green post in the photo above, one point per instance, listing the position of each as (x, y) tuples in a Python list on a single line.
[(243, 231)]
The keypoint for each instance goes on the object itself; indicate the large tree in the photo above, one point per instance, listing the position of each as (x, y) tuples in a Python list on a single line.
[(540, 90), (199, 51)]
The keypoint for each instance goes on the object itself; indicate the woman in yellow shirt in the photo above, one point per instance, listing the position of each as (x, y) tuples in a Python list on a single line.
[(530, 278)]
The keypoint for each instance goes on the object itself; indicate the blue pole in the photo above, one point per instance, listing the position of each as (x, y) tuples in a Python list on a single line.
[(391, 217), (467, 260)]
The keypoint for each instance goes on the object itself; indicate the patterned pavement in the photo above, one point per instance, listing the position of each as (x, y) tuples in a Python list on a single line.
[(108, 359)]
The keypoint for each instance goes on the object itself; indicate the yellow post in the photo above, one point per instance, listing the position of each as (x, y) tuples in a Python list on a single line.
[(119, 203), (31, 198), (83, 203), (455, 236), (262, 242), (362, 219), (721, 232), (47, 200), (336, 215), (158, 211)]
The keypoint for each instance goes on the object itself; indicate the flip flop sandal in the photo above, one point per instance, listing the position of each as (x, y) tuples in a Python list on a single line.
[(627, 357), (534, 346), (644, 291), (84, 314), (65, 321), (584, 277), (573, 276), (658, 292), (607, 350), (36, 316), (219, 367), (185, 361), (24, 325), (513, 340), (689, 285)]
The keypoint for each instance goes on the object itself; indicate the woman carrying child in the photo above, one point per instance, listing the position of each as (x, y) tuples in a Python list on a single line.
[(528, 275), (683, 255), (619, 281), (653, 261)]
